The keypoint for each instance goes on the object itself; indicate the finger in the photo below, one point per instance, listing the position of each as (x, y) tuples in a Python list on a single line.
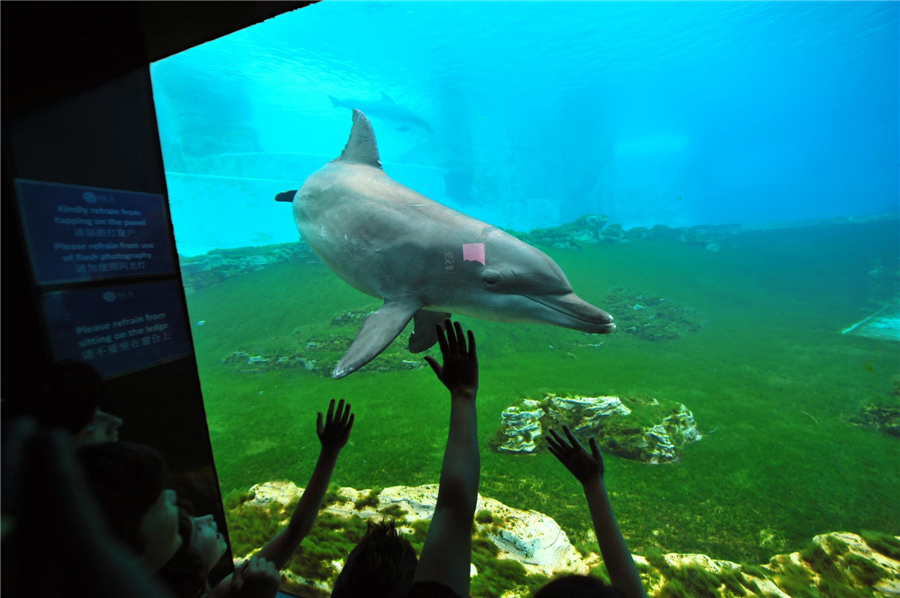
[(319, 426), (575, 443), (460, 338), (559, 439), (329, 419), (472, 354), (346, 416), (350, 423), (595, 450), (451, 337), (555, 446), (237, 578), (339, 412), (434, 365), (442, 341)]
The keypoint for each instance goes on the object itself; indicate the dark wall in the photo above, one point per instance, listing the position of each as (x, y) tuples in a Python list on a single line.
[(77, 108)]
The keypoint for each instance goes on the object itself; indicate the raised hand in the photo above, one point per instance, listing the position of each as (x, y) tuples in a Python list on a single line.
[(335, 430), (257, 578), (460, 370), (586, 467)]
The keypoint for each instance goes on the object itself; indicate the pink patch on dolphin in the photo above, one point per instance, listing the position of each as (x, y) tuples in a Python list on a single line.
[(473, 252)]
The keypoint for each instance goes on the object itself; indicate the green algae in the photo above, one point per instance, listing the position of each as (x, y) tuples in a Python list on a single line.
[(771, 351)]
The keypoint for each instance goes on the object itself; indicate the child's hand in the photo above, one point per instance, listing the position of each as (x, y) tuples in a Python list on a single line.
[(256, 579), (335, 431), (585, 467), (460, 370)]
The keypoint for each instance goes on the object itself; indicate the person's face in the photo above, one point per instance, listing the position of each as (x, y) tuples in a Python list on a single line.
[(159, 530), (103, 428), (208, 541)]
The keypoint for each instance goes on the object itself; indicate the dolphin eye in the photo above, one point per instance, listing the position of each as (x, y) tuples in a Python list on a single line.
[(491, 277)]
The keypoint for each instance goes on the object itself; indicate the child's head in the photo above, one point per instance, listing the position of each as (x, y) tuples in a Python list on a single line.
[(578, 586), (382, 564), (202, 546), (67, 394)]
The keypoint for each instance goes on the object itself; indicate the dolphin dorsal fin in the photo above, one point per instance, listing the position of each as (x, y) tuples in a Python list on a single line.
[(361, 147), (386, 98)]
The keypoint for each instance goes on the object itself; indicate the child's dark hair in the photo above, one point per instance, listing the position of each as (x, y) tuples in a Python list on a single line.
[(578, 586), (382, 565), (126, 479), (185, 573), (65, 394)]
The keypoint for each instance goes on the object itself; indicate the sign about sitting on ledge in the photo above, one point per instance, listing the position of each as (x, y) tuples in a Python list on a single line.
[(83, 233), (119, 329)]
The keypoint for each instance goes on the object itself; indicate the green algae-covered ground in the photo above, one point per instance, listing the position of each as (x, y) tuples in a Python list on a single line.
[(772, 384)]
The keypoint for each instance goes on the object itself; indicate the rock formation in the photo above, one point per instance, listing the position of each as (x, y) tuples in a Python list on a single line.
[(651, 317), (654, 435), (833, 564)]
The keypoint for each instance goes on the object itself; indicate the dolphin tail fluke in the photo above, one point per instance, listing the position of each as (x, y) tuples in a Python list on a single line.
[(425, 335), (378, 331), (334, 101), (286, 195)]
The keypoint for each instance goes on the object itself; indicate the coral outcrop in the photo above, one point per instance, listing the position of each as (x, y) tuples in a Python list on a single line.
[(218, 265), (884, 413), (651, 317), (518, 551), (645, 431)]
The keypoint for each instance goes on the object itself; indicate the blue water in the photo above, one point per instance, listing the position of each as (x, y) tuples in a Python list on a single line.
[(653, 113)]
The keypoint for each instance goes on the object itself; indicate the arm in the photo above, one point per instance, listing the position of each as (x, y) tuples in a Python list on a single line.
[(448, 547), (588, 469), (333, 435)]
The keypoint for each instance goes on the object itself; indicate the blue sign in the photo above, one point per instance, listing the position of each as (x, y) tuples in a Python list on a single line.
[(83, 233), (120, 328)]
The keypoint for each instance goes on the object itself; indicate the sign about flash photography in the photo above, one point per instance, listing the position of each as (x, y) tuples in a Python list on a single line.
[(82, 233), (118, 329)]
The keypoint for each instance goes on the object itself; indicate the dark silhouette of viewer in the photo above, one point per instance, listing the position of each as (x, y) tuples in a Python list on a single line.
[(588, 470), (56, 539), (202, 546), (383, 564)]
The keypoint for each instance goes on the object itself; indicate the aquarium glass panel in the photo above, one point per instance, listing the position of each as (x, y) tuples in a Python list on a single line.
[(672, 227)]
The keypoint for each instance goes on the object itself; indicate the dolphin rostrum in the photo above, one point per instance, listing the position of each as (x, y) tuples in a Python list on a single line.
[(424, 259), (386, 109)]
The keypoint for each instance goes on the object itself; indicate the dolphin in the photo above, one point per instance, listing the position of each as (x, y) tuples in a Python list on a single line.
[(386, 109), (423, 259)]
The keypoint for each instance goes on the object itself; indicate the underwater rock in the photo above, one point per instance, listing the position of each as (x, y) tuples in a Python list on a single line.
[(649, 436), (650, 317), (220, 264), (318, 347), (883, 414), (533, 539), (833, 564), (613, 232), (584, 229)]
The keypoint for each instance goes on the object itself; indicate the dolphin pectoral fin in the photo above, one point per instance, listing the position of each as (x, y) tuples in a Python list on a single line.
[(425, 336), (386, 98), (378, 331)]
